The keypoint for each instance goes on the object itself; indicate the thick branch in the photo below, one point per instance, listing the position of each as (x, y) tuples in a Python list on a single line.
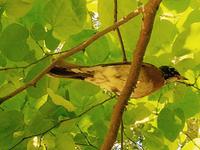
[(71, 52), (150, 10)]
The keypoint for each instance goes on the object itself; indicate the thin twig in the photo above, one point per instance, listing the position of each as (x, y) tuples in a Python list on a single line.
[(60, 122), (150, 10), (136, 144), (41, 47), (118, 31), (86, 138), (26, 66), (189, 84), (70, 52), (122, 134)]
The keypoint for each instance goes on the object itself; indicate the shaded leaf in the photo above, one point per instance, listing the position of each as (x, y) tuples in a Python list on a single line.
[(179, 6), (50, 41), (66, 17), (13, 42), (171, 122), (38, 32), (10, 123), (39, 89)]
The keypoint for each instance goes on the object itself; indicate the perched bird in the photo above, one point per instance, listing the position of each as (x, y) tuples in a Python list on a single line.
[(112, 77)]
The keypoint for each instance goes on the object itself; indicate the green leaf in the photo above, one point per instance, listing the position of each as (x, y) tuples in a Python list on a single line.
[(18, 8), (137, 113), (81, 92), (6, 88), (13, 42), (166, 31), (37, 32), (40, 124), (98, 51), (66, 17), (64, 141), (192, 18), (190, 145), (35, 14), (2, 78), (192, 40), (59, 100), (171, 122), (179, 6), (130, 30), (187, 100), (50, 41), (35, 70), (154, 140), (187, 43), (11, 122), (80, 37), (39, 89), (3, 61)]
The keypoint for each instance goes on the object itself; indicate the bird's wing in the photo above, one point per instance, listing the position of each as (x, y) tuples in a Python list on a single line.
[(150, 79)]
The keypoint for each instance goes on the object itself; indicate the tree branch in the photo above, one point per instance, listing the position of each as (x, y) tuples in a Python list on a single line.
[(71, 52), (150, 10)]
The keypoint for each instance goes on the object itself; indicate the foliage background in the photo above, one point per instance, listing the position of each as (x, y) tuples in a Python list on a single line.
[(60, 112)]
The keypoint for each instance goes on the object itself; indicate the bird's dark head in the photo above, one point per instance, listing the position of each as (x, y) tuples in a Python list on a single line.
[(170, 73)]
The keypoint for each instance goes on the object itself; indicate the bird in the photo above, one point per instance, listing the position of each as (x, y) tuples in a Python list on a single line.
[(112, 76)]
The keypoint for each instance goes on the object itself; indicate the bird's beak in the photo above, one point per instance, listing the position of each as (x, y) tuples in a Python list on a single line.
[(179, 77)]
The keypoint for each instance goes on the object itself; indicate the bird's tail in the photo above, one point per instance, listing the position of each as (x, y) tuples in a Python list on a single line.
[(60, 72)]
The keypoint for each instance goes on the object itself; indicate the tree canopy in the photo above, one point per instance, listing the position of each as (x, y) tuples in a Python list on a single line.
[(39, 111)]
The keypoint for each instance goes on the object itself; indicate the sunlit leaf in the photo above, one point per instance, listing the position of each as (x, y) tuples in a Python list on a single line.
[(63, 141), (18, 8), (59, 100)]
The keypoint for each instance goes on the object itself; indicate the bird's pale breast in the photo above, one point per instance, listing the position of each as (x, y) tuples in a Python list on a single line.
[(113, 78)]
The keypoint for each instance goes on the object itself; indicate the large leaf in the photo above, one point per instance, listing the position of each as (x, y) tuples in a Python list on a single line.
[(187, 100), (130, 30), (13, 42), (59, 100), (67, 17), (81, 93), (39, 89), (18, 8), (39, 124), (11, 124), (171, 122), (64, 141), (179, 6), (38, 32)]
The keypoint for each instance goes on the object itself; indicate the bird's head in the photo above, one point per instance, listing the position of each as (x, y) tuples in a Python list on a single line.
[(171, 74)]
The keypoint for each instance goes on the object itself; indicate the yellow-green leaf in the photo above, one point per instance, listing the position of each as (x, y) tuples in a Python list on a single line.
[(59, 100)]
